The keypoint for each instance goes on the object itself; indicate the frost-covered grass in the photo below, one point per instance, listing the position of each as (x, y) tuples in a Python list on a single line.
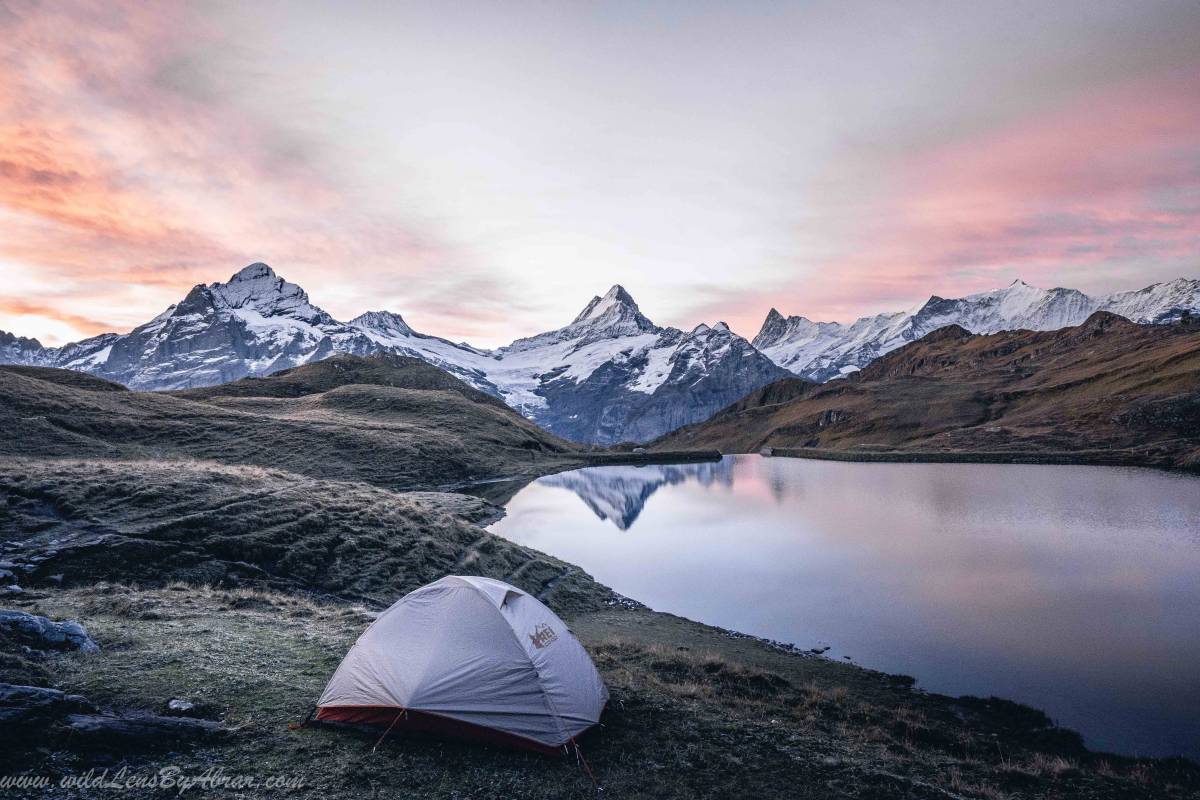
[(694, 713)]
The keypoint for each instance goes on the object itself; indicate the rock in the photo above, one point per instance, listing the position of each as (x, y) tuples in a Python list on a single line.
[(11, 589), (180, 707), (7, 576), (137, 729), (33, 705), (31, 714), (41, 633)]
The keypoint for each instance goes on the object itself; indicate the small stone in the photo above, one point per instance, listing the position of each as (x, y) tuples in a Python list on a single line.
[(179, 706)]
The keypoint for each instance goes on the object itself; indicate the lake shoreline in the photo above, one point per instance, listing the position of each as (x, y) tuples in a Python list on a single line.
[(1083, 458)]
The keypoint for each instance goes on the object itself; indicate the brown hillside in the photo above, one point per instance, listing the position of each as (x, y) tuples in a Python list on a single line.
[(1108, 391)]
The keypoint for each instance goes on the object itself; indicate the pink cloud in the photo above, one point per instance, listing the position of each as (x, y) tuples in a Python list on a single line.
[(119, 168), (1074, 195)]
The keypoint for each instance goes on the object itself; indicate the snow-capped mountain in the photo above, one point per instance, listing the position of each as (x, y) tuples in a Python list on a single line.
[(388, 331), (610, 375), (254, 324), (820, 351), (20, 350)]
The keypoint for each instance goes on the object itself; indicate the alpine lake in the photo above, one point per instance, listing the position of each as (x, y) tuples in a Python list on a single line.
[(1073, 589)]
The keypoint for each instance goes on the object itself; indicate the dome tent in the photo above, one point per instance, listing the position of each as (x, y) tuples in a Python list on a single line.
[(472, 657)]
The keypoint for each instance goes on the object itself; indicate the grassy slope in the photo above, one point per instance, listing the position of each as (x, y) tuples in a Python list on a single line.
[(381, 369), (406, 429), (204, 523), (1108, 388)]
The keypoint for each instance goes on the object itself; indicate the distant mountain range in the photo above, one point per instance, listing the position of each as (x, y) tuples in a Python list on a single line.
[(1105, 391), (611, 375), (819, 351)]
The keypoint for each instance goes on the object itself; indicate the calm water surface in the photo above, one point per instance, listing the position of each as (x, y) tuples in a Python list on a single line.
[(1073, 589)]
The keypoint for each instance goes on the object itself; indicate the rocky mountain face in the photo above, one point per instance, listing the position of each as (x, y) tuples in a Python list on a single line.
[(20, 350), (628, 380), (611, 375), (820, 351)]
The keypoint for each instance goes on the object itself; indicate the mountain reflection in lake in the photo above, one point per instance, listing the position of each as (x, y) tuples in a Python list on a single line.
[(1073, 589), (618, 494)]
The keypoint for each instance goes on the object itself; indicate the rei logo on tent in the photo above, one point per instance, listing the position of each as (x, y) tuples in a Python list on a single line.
[(542, 635)]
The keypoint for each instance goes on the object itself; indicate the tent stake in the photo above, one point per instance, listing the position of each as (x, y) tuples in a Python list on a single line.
[(308, 718)]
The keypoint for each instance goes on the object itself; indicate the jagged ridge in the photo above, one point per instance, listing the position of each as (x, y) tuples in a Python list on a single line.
[(820, 351), (610, 375)]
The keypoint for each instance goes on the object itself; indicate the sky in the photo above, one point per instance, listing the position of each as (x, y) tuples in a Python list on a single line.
[(485, 168)]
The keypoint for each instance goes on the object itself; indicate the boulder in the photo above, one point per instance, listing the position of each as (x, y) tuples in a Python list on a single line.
[(40, 633), (182, 708)]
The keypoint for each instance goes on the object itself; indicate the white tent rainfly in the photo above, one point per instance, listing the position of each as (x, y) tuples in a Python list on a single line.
[(470, 657)]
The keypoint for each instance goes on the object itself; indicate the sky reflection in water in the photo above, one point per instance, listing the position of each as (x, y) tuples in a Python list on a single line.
[(1074, 589)]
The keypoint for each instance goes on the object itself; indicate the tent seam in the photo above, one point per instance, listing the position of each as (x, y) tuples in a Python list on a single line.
[(537, 674)]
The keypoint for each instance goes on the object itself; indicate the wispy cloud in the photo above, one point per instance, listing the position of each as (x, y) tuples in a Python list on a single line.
[(1101, 190), (122, 171)]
